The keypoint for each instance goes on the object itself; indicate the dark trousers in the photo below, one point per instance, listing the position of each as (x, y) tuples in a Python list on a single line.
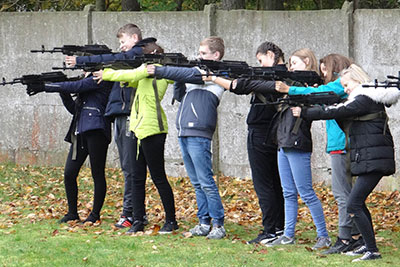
[(126, 144), (363, 186), (151, 154), (95, 144), (266, 181)]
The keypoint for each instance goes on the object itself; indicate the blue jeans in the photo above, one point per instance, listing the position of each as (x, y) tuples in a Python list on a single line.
[(196, 153), (295, 172)]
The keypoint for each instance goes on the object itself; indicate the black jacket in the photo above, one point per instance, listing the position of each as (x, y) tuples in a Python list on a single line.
[(120, 97), (371, 143), (88, 108), (277, 122)]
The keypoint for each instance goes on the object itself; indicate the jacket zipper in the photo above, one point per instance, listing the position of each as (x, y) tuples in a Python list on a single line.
[(180, 116)]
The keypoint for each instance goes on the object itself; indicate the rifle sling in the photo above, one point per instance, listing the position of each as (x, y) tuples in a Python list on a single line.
[(158, 106)]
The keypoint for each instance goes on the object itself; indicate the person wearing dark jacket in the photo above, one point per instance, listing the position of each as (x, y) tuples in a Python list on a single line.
[(263, 157), (364, 120), (293, 139), (89, 135), (118, 109)]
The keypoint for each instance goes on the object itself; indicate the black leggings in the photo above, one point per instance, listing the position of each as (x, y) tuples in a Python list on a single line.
[(151, 154), (95, 144), (356, 207)]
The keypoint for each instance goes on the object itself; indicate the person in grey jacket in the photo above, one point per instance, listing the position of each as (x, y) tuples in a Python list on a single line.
[(196, 122)]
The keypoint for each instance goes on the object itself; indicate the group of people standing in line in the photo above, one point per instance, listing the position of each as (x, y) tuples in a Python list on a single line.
[(279, 142)]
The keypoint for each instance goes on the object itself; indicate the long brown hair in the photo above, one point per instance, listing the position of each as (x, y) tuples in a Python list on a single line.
[(334, 64), (304, 53)]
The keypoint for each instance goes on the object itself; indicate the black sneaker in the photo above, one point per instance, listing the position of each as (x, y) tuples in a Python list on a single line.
[(357, 252), (69, 217), (168, 228), (124, 222), (145, 220), (338, 247), (369, 256), (355, 243), (137, 226), (263, 238), (278, 231), (92, 218)]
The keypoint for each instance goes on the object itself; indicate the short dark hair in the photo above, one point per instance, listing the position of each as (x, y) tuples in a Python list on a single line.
[(215, 44), (130, 29), (269, 46)]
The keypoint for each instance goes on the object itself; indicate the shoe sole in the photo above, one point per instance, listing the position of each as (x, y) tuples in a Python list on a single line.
[(268, 240)]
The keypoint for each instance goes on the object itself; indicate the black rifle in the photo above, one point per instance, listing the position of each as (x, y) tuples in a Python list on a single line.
[(78, 50), (164, 59), (318, 98), (40, 79), (240, 69), (387, 83)]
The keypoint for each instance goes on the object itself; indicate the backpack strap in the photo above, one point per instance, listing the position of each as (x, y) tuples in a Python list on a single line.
[(158, 105)]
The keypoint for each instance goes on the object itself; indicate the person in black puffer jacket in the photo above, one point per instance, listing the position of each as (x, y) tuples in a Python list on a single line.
[(364, 120)]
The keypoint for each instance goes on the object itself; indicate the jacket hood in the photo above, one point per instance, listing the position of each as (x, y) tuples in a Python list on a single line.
[(387, 96)]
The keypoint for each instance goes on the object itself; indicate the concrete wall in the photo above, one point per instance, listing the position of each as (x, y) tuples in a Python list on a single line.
[(33, 128)]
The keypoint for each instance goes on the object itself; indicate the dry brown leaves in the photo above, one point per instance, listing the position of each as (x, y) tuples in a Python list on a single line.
[(41, 197)]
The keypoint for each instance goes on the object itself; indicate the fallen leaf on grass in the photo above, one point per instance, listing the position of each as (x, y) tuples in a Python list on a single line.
[(309, 249), (187, 234), (55, 232)]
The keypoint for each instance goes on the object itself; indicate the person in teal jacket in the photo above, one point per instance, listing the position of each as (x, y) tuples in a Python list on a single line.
[(330, 66), (149, 124)]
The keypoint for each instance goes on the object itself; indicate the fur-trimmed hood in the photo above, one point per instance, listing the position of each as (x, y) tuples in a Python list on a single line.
[(387, 96)]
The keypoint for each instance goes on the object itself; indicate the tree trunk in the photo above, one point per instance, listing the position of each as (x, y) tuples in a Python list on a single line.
[(100, 5), (130, 5), (179, 5), (272, 4), (233, 4)]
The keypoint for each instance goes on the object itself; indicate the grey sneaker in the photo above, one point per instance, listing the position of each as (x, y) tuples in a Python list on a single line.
[(200, 230), (217, 232), (322, 242), (282, 240)]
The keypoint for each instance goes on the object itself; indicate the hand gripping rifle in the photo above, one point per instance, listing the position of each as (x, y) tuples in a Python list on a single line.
[(77, 50), (387, 83), (37, 81)]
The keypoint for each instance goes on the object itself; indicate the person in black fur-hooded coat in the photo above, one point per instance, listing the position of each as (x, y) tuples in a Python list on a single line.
[(364, 120)]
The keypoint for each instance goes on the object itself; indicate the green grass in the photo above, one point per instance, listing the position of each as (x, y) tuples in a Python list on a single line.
[(31, 236)]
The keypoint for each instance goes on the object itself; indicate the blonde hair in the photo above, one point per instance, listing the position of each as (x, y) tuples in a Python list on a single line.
[(215, 44), (356, 73), (304, 53)]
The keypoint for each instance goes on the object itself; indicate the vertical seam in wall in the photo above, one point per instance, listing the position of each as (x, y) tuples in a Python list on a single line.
[(349, 10), (211, 16), (89, 23)]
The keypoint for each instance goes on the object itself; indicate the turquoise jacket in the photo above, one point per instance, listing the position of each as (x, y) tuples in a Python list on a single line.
[(336, 139)]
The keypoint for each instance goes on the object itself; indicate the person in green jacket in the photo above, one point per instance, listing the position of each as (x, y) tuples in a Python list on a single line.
[(149, 124)]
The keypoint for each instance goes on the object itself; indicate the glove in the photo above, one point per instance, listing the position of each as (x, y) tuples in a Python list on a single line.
[(34, 88)]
